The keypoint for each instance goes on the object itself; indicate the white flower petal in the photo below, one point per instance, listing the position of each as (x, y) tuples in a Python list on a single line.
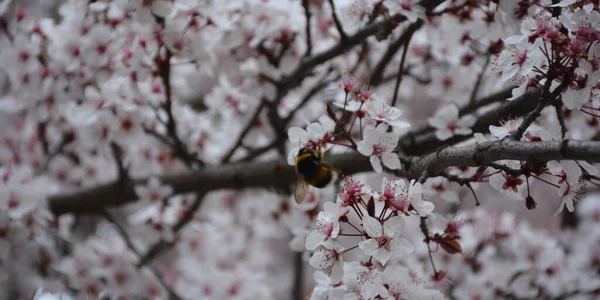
[(161, 8), (391, 161), (402, 246), (314, 240), (382, 255), (369, 247), (467, 121), (376, 164), (443, 134), (588, 167), (365, 148), (389, 140), (463, 131), (372, 226), (393, 226), (315, 130), (498, 131), (322, 259), (327, 122), (297, 135)]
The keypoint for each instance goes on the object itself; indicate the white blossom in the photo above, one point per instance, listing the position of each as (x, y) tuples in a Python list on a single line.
[(385, 239)]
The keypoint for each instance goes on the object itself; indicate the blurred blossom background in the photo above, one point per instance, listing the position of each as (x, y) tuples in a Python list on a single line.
[(148, 149)]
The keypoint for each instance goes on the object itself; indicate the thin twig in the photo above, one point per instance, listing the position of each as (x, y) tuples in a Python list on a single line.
[(179, 148), (322, 83), (125, 236), (546, 98), (410, 31), (379, 70), (244, 132), (158, 248), (306, 5), (450, 9), (65, 141), (337, 22), (506, 169), (475, 90), (561, 119)]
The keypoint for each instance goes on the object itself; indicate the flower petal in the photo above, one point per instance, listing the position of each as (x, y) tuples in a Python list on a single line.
[(327, 123), (322, 259), (365, 147), (369, 247), (313, 240), (443, 134), (402, 246), (393, 226), (391, 161), (372, 226), (376, 163), (382, 255)]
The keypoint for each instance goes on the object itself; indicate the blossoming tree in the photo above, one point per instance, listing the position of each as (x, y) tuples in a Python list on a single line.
[(148, 149)]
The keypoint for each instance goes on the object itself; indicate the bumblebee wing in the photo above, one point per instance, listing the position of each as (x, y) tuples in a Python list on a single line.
[(301, 189)]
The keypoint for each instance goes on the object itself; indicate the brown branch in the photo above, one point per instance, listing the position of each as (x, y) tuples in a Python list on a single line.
[(381, 28), (247, 174), (298, 290), (420, 80), (506, 149), (561, 118), (231, 176), (427, 142), (306, 5), (465, 110), (42, 130), (276, 173)]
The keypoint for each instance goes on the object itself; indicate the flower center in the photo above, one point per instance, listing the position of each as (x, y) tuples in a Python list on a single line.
[(400, 204), (378, 149), (384, 242), (325, 228), (452, 126)]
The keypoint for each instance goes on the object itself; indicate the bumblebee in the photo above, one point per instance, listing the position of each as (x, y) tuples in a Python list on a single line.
[(311, 170)]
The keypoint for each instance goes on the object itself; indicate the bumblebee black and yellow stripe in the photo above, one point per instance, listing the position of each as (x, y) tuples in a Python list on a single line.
[(322, 178), (308, 164), (305, 155)]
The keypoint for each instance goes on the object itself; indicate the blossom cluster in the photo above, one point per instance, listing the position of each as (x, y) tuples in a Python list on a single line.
[(369, 222), (128, 91), (505, 257)]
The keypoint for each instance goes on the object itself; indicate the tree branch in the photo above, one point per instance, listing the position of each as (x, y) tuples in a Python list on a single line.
[(337, 22), (409, 33), (275, 173), (379, 70), (244, 132), (172, 294), (428, 142), (156, 249), (506, 149), (475, 90), (306, 6), (465, 110)]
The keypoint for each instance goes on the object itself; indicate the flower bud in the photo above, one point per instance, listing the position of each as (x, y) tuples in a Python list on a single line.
[(530, 203)]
